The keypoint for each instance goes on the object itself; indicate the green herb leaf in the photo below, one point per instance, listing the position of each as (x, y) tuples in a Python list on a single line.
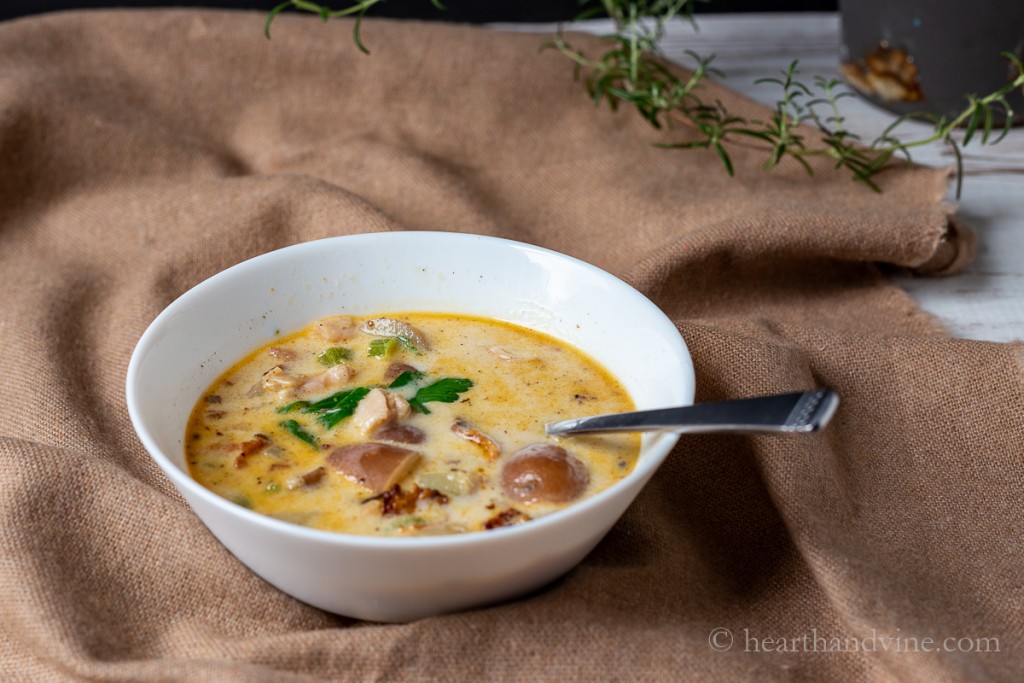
[(403, 522), (297, 430), (242, 500), (445, 390), (333, 401), (337, 407), (407, 377), (293, 406), (334, 355)]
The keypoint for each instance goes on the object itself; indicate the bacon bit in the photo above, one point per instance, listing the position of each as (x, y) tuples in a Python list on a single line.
[(250, 447), (394, 501), (508, 517), (337, 328), (311, 478), (279, 466), (491, 450), (281, 353), (215, 414)]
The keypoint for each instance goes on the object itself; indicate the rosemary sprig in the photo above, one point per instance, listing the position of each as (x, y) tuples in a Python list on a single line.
[(357, 9), (633, 71)]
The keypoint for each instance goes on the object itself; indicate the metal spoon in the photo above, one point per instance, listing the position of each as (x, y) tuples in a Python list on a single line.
[(806, 411)]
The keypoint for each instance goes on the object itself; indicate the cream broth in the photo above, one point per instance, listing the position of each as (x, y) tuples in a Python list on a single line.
[(446, 431)]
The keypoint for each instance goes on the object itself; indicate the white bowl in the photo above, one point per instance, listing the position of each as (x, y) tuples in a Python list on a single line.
[(399, 579)]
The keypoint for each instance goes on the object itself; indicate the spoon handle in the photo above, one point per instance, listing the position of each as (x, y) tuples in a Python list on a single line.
[(806, 411)]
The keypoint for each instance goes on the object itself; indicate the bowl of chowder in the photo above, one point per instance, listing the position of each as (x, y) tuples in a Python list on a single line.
[(360, 419)]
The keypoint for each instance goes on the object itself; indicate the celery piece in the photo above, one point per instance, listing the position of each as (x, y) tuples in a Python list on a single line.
[(333, 355), (454, 483), (404, 522), (381, 348)]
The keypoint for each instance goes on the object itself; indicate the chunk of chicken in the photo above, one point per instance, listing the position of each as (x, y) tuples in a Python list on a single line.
[(389, 327), (281, 353), (379, 407), (336, 328), (276, 379), (336, 376)]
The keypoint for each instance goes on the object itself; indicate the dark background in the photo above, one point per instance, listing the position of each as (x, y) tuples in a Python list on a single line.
[(456, 10)]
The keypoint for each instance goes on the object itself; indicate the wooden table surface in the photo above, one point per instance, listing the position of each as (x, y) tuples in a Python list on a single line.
[(986, 301)]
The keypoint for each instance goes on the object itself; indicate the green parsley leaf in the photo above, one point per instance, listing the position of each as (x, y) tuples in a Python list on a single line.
[(293, 406), (445, 390), (295, 429), (334, 355), (337, 407), (407, 377)]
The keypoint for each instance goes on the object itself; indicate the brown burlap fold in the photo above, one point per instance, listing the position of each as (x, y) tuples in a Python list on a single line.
[(141, 152)]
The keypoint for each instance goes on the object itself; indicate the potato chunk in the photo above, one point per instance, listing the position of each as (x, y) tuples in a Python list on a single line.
[(377, 466), (544, 473)]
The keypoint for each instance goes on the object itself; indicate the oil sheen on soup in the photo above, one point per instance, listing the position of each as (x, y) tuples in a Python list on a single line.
[(407, 424)]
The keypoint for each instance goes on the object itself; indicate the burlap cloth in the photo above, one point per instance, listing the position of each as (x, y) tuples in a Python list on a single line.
[(141, 152)]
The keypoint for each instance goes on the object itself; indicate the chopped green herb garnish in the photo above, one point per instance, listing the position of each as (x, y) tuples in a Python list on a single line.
[(293, 406), (337, 407), (273, 487), (242, 500), (406, 377), (404, 521), (334, 355), (445, 390), (297, 430), (333, 401), (381, 348)]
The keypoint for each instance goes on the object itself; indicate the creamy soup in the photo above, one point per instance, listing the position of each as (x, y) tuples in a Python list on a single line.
[(407, 424)]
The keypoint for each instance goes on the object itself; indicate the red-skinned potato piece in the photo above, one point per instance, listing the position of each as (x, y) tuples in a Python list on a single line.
[(377, 466), (544, 473), (400, 433)]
